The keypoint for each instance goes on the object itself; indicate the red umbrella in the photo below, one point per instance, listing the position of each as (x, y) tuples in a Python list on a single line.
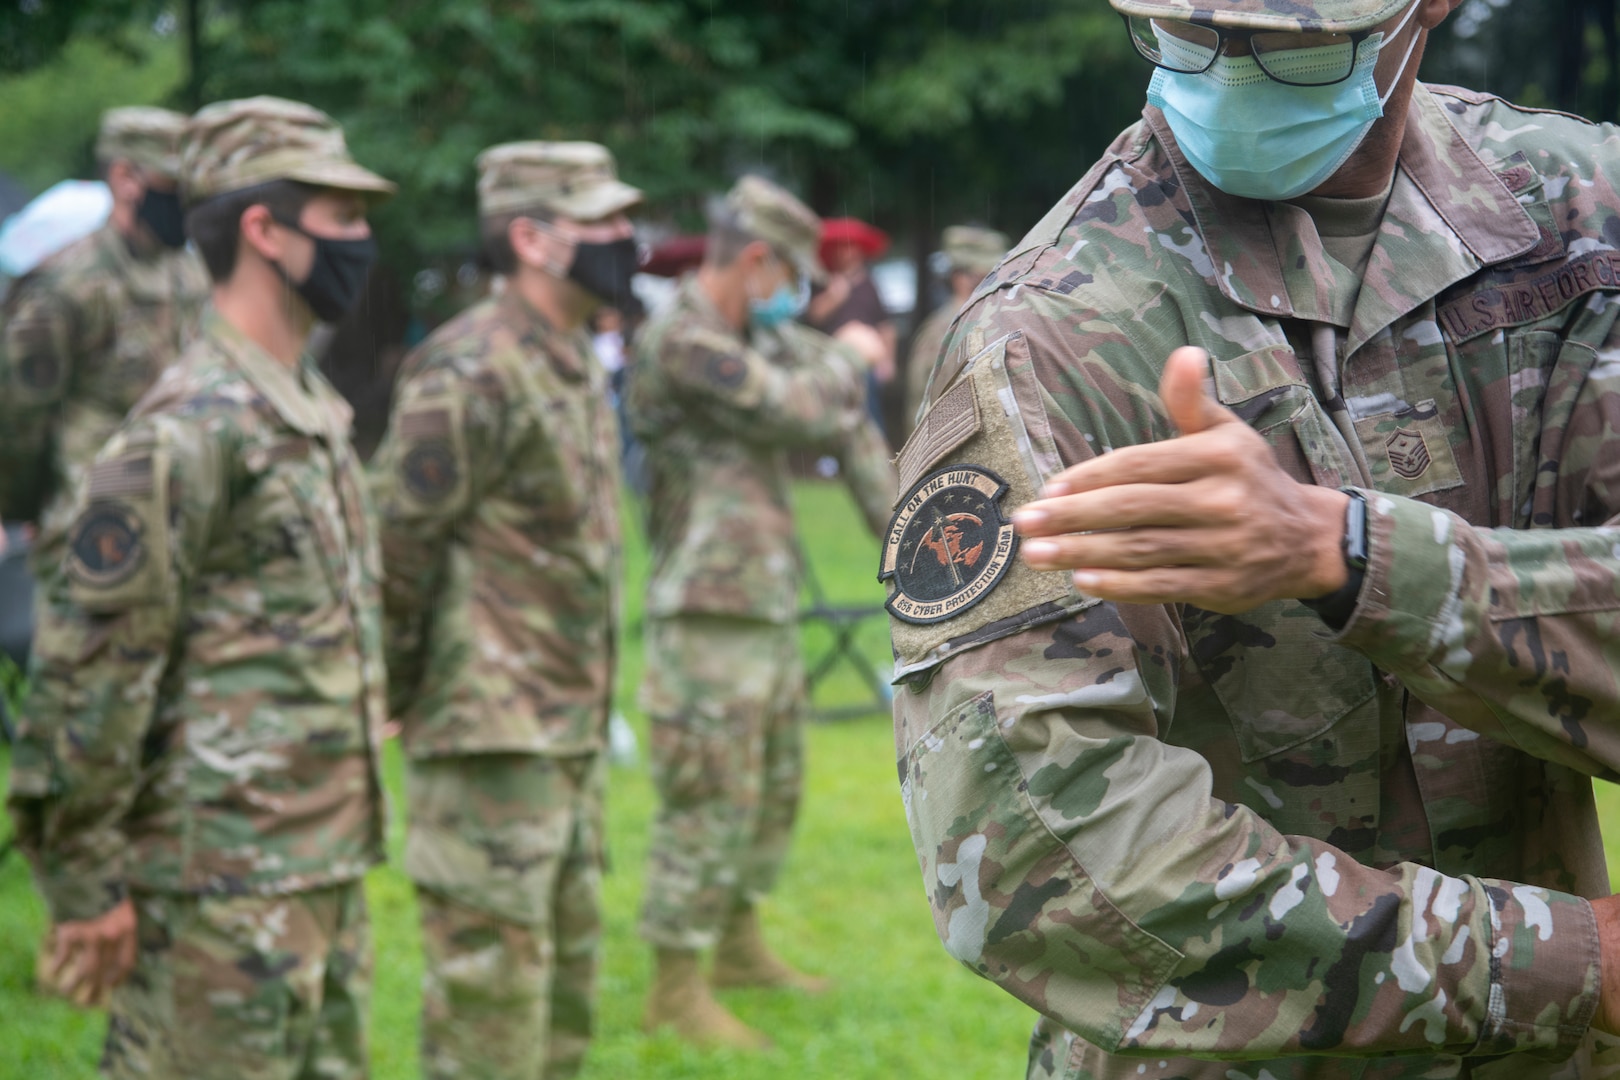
[(872, 240), (675, 256)]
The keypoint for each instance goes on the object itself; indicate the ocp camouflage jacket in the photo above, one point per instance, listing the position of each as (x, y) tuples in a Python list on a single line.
[(498, 488), (1191, 838), (84, 336), (718, 411), (207, 685)]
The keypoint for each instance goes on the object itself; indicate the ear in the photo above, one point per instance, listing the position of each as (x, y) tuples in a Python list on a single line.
[(124, 181), (537, 246), (529, 245), (753, 254), (258, 232), (1435, 12)]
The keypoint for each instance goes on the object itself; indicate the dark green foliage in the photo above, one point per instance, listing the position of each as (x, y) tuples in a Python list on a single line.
[(913, 112)]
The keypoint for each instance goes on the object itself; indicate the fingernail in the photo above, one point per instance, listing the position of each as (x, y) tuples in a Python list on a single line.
[(1040, 550), (1085, 579), (1029, 518)]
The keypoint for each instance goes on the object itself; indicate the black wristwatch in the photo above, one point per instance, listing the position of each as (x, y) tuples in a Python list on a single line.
[(1336, 607)]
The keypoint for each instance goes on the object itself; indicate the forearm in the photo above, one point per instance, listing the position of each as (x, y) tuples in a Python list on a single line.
[(409, 592), (798, 407), (1511, 633), (1083, 865), (94, 691)]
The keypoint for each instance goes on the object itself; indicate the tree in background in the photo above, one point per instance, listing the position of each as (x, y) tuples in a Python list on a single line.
[(909, 112), (1555, 54)]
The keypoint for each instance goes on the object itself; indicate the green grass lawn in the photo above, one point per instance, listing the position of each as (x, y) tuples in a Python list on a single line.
[(850, 905)]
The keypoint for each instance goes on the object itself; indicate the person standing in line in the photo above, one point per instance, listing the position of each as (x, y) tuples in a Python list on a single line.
[(85, 334), (498, 490), (724, 383), (195, 781)]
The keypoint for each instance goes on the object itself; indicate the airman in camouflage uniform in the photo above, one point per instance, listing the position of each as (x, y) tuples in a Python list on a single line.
[(970, 252), (195, 781), (1228, 835), (498, 489), (718, 396), (87, 332)]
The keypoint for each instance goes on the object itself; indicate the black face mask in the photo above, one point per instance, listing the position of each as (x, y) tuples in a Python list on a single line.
[(605, 270), (336, 277), (160, 211)]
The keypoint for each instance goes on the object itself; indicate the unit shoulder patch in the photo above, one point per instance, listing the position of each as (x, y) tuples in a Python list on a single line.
[(948, 545), (107, 545), (429, 471)]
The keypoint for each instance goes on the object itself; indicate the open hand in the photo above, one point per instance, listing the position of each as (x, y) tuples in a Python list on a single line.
[(866, 342), (1208, 518), (92, 956)]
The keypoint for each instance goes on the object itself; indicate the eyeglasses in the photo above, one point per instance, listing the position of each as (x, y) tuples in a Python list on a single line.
[(1295, 59)]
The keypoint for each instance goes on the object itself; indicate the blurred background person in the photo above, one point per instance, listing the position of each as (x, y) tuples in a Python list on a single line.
[(970, 253), (724, 383), (847, 306), (498, 490)]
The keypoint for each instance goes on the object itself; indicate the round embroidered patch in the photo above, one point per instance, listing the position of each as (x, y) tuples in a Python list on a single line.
[(948, 545), (727, 370), (39, 371), (430, 471), (106, 546)]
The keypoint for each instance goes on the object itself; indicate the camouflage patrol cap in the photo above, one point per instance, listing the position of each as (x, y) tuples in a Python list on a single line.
[(575, 179), (974, 249), (1336, 16), (147, 136), (767, 212), (231, 145)]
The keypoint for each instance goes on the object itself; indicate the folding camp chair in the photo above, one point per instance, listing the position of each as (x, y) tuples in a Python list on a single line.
[(844, 621)]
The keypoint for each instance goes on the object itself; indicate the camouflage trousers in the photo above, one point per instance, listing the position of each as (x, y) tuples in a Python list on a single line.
[(506, 853), (245, 988), (726, 700)]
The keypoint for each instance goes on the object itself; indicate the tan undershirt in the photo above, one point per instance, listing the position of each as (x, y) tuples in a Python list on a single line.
[(1348, 227)]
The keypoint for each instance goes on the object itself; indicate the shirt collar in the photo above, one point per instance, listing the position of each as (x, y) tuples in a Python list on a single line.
[(300, 397), (767, 342), (1449, 215), (562, 349)]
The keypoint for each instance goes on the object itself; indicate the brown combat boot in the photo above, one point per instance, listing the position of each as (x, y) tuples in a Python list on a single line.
[(743, 959), (681, 1001)]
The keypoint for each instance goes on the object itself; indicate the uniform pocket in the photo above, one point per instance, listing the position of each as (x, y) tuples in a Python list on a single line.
[(1409, 451), (1278, 680), (1267, 390)]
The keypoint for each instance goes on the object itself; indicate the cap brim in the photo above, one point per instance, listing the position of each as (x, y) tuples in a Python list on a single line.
[(346, 176), (167, 166), (1332, 16), (599, 200)]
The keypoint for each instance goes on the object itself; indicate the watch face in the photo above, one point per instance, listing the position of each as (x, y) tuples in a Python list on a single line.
[(1355, 532)]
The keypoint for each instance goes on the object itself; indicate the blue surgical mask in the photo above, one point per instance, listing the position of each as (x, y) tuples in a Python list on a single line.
[(1257, 138), (784, 305)]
